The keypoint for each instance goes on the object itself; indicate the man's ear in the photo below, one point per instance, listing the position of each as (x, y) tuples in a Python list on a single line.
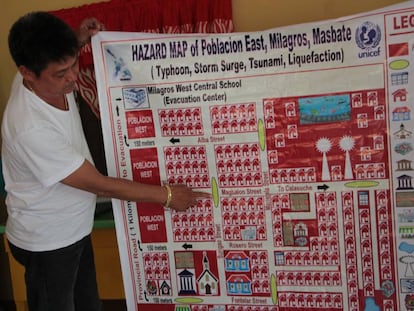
[(26, 73)]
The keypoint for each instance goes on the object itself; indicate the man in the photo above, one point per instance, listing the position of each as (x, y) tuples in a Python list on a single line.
[(51, 182)]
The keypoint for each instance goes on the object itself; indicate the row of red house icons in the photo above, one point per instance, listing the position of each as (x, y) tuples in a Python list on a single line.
[(234, 126), (249, 179), (190, 115), (371, 98), (182, 153), (271, 105), (193, 180), (277, 223), (235, 151), (327, 214), (370, 171), (324, 243), (194, 234), (202, 206), (295, 300), (189, 220), (326, 200), (350, 248), (280, 201), (314, 258), (261, 286), (238, 165), (285, 175), (186, 167), (243, 218), (385, 232), (385, 259), (242, 204), (309, 278), (366, 252), (259, 272), (182, 129), (233, 111), (155, 259), (157, 273)]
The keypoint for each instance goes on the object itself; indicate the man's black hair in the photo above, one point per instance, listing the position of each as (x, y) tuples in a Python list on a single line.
[(39, 38)]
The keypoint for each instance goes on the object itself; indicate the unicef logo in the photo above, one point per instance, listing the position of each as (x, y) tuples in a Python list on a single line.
[(368, 36)]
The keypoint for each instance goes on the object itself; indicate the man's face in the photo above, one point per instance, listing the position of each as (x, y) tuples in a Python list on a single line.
[(57, 79)]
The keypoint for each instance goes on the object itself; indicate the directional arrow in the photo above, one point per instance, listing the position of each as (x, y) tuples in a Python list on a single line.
[(117, 108), (323, 187), (139, 245), (145, 295), (187, 246), (174, 140), (126, 142)]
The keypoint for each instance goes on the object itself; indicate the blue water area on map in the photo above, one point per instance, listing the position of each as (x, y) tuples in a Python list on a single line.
[(324, 109)]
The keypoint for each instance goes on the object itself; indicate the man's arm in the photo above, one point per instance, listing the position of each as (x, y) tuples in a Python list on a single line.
[(88, 178)]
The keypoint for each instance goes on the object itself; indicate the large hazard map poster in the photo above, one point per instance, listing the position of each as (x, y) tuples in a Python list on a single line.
[(303, 136)]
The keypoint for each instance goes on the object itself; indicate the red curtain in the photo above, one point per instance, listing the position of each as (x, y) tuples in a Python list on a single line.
[(157, 16)]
